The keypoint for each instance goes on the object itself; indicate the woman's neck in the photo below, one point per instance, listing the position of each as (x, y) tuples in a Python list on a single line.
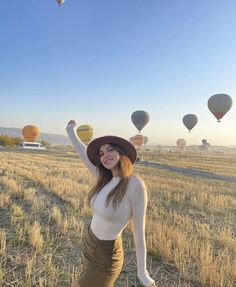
[(115, 172)]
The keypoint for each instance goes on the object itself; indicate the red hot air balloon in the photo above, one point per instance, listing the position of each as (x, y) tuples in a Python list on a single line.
[(219, 105)]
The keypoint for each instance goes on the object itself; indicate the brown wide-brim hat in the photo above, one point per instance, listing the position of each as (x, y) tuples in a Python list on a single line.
[(94, 146)]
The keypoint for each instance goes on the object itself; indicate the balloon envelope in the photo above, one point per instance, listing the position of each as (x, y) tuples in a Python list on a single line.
[(140, 119), (131, 140), (204, 141), (138, 140), (219, 105), (30, 133), (181, 143), (85, 133), (60, 2), (145, 140), (190, 120)]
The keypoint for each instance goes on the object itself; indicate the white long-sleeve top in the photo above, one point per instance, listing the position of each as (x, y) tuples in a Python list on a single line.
[(107, 223)]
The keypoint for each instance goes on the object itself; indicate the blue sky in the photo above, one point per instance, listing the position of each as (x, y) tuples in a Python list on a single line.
[(98, 61)]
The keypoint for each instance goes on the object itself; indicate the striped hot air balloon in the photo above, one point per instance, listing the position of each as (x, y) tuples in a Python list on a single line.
[(30, 133), (85, 133)]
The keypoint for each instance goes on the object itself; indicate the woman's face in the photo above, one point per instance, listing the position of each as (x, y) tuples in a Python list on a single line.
[(109, 157)]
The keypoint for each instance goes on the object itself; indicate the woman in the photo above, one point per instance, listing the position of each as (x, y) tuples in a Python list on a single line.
[(118, 197)]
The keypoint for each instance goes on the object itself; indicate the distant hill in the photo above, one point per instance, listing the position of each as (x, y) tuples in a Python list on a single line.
[(51, 138)]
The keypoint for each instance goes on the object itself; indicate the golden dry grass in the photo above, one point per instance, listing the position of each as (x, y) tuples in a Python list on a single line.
[(190, 221), (221, 161)]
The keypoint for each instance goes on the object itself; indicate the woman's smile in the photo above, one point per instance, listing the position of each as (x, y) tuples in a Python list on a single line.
[(109, 157)]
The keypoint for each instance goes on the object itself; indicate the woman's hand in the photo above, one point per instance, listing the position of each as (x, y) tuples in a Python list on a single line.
[(71, 123), (153, 285)]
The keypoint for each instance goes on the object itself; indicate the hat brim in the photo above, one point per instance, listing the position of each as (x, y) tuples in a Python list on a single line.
[(94, 146)]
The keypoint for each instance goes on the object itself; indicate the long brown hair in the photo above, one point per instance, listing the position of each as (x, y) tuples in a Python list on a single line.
[(105, 175)]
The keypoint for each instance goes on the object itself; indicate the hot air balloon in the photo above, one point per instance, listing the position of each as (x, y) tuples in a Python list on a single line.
[(181, 143), (138, 140), (131, 140), (190, 120), (204, 141), (60, 2), (30, 133), (140, 119), (145, 140), (219, 105), (85, 133)]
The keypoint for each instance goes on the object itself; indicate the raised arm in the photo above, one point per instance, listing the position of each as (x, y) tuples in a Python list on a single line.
[(139, 206), (80, 147)]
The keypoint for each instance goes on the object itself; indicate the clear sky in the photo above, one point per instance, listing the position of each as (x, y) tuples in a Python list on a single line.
[(97, 61)]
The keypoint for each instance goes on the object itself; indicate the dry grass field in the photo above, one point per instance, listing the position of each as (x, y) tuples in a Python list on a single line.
[(190, 228)]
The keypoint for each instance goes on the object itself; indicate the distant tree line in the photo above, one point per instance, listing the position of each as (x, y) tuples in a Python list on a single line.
[(6, 140)]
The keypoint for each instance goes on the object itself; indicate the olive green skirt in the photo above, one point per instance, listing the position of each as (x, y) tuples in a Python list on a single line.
[(102, 261)]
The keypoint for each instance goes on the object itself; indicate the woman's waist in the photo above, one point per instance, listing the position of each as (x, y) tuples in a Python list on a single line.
[(105, 230)]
